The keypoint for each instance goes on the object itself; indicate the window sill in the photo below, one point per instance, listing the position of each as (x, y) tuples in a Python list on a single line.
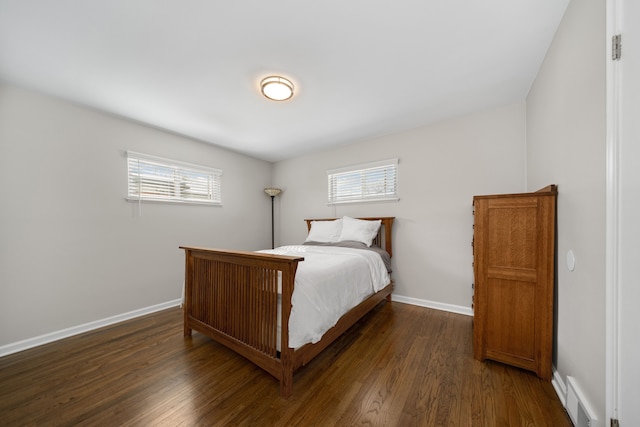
[(176, 202), (346, 202)]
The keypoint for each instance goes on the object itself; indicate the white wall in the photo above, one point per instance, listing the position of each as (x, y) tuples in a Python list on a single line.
[(72, 250), (566, 118), (441, 168)]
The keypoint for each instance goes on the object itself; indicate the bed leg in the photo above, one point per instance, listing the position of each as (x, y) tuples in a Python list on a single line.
[(187, 330), (389, 298), (286, 387), (185, 321), (286, 382)]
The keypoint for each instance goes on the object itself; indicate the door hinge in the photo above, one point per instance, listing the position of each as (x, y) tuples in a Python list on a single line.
[(614, 422), (616, 47)]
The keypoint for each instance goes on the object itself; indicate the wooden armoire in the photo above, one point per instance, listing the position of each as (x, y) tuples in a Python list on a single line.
[(514, 256)]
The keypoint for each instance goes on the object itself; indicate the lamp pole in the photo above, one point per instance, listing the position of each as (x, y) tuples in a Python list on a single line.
[(272, 192), (272, 225)]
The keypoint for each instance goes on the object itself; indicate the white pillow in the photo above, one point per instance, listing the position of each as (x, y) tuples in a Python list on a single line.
[(325, 231), (359, 230)]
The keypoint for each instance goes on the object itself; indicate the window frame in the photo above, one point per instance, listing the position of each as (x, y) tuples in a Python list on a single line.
[(363, 196), (214, 190)]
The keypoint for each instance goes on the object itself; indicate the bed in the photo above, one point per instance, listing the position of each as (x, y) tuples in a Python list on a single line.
[(243, 299)]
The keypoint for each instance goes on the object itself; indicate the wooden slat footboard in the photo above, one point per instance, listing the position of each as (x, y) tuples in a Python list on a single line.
[(232, 296)]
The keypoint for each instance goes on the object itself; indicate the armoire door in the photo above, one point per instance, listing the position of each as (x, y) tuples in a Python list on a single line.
[(514, 238)]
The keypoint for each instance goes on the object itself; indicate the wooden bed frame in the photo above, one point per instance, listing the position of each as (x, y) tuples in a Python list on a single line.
[(232, 297)]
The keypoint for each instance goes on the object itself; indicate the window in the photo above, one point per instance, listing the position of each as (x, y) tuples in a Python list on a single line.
[(368, 182), (157, 179)]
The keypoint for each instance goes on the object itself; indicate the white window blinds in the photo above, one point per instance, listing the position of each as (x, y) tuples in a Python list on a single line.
[(367, 182), (157, 179)]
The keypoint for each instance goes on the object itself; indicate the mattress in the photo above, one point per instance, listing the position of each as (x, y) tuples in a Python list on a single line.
[(329, 282)]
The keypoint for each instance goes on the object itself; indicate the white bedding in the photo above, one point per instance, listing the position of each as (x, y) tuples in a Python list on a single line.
[(329, 282)]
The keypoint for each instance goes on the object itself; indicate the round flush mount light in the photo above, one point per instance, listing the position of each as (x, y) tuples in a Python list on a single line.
[(276, 88)]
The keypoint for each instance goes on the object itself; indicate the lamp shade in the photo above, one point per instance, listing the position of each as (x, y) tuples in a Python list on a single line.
[(272, 191)]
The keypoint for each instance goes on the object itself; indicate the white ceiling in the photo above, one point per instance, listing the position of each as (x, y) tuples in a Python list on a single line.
[(361, 68)]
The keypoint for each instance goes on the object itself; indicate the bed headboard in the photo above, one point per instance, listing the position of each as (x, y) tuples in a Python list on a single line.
[(383, 239)]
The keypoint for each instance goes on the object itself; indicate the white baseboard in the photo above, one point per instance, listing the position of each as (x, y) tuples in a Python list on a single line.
[(560, 387), (432, 304), (75, 330)]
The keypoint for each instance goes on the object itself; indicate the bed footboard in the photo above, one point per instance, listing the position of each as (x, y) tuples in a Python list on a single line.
[(232, 296)]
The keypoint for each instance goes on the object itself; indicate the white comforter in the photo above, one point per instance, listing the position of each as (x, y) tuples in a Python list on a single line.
[(329, 282)]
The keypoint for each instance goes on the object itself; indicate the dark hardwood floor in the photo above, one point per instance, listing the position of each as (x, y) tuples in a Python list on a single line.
[(399, 366)]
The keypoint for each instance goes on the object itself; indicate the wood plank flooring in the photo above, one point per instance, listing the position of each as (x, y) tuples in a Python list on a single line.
[(401, 365)]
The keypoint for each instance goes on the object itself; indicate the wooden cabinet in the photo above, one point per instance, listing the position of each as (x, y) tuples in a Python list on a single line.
[(514, 254)]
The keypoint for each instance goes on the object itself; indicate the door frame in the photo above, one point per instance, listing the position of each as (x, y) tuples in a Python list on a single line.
[(612, 258)]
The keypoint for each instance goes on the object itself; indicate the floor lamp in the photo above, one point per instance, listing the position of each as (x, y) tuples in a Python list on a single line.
[(273, 192)]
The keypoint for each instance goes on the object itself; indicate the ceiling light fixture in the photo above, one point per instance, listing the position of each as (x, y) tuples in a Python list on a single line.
[(276, 88)]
